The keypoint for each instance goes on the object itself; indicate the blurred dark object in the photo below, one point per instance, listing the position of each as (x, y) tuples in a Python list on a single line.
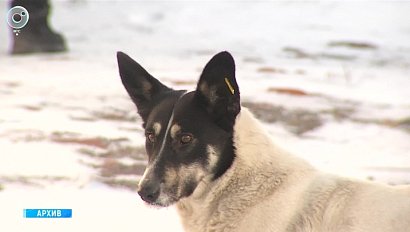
[(37, 36)]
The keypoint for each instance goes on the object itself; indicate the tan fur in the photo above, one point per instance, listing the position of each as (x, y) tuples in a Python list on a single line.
[(212, 157), (157, 128), (174, 130), (174, 178), (267, 189)]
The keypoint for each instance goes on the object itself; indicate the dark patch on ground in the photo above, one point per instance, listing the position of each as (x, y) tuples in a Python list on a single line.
[(74, 138), (340, 113), (85, 119), (32, 108), (128, 184), (9, 84), (118, 150), (289, 91), (296, 52), (267, 69), (404, 124), (27, 135), (301, 54), (334, 56), (183, 82), (353, 45), (107, 154), (253, 59), (114, 114), (6, 87), (297, 121), (31, 180), (300, 121), (108, 114), (300, 72), (110, 167), (204, 52)]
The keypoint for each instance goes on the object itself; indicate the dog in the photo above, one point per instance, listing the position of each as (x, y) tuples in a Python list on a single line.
[(210, 156)]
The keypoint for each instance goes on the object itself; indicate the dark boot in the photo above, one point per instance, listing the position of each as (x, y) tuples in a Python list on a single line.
[(36, 36)]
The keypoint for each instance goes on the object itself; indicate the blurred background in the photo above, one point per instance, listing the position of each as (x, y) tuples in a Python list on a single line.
[(329, 79)]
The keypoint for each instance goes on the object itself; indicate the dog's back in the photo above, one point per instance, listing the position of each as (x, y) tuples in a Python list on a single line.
[(332, 203)]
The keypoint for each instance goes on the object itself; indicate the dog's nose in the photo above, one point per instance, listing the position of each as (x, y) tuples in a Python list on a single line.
[(149, 192)]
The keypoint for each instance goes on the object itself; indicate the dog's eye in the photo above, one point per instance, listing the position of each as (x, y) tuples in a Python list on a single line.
[(150, 136), (186, 139)]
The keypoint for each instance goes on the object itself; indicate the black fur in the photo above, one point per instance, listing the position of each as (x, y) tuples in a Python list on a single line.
[(143, 88), (214, 93)]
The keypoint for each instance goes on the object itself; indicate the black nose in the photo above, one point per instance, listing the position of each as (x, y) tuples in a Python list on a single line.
[(149, 192)]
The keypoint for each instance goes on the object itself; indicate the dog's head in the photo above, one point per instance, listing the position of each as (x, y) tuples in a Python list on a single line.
[(188, 134)]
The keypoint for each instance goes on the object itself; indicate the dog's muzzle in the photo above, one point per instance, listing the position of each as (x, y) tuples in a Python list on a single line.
[(149, 191)]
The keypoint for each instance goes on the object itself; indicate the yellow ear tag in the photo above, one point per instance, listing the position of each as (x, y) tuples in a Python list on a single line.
[(229, 86)]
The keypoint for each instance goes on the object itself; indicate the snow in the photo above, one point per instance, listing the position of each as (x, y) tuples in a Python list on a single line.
[(77, 96), (95, 208), (340, 148)]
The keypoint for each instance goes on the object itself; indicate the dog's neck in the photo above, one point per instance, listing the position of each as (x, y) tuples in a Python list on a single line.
[(259, 167)]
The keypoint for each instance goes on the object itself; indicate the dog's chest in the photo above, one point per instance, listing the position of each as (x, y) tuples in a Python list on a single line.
[(226, 209), (200, 219)]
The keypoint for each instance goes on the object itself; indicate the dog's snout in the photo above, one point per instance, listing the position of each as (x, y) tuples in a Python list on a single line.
[(149, 191)]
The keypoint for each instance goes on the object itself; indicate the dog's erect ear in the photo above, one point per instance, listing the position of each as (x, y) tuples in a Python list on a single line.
[(140, 85), (218, 91)]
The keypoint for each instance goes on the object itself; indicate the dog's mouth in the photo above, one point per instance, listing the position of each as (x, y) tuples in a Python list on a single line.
[(163, 200), (167, 198), (158, 196), (159, 204), (166, 194)]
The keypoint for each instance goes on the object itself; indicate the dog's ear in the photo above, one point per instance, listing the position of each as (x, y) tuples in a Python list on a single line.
[(140, 85), (218, 91)]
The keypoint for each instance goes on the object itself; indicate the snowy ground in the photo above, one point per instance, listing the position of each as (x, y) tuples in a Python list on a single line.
[(330, 81)]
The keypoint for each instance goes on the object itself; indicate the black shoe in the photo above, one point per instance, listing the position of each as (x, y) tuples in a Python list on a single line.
[(34, 42), (37, 36)]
